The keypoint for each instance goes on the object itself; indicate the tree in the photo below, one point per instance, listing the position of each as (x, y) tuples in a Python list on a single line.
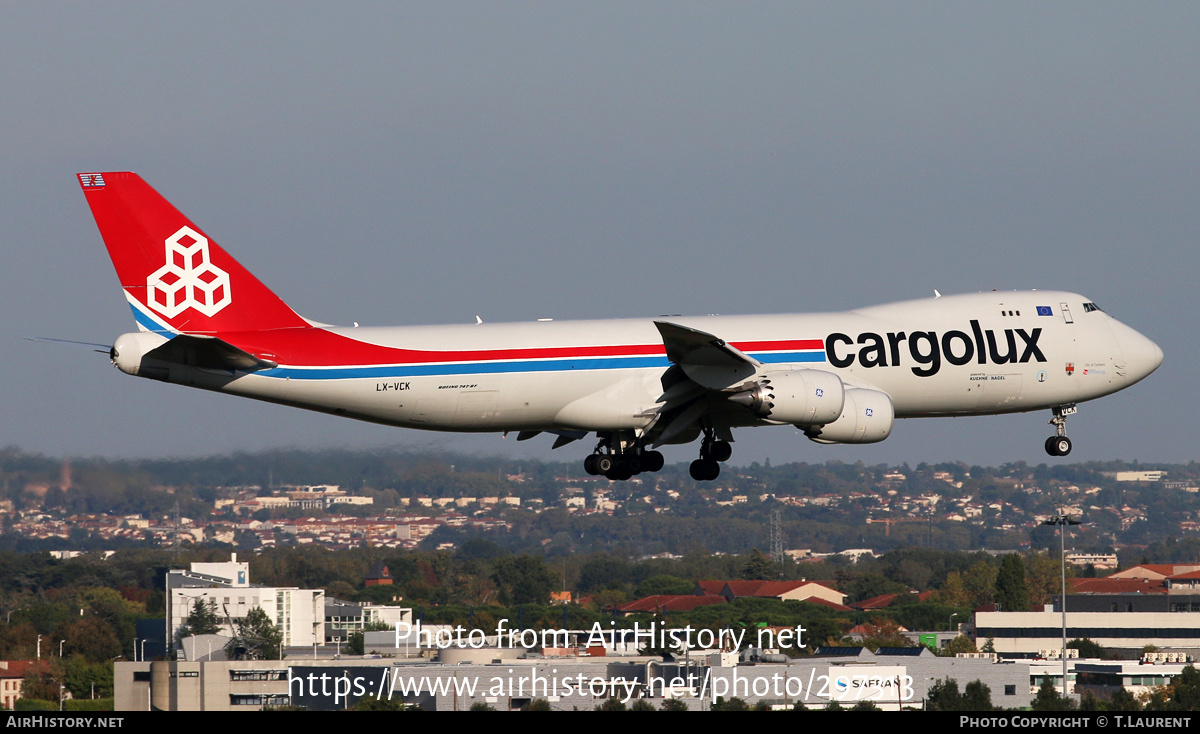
[(1183, 694), (1122, 700), (758, 566), (40, 683), (257, 639), (1012, 591), (962, 644), (79, 676), (1087, 648), (673, 704), (523, 579), (1049, 699), (944, 695), (977, 696), (954, 591), (1045, 576), (375, 703), (980, 583), (203, 618), (871, 585), (94, 638), (355, 644), (732, 704), (884, 633)]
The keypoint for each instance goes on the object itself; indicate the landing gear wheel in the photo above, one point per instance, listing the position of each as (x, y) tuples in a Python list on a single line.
[(720, 451), (589, 464), (619, 473), (1058, 446), (652, 461), (704, 470), (604, 464)]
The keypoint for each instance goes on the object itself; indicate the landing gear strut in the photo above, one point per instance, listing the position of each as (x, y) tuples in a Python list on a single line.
[(712, 452), (1060, 445), (618, 459)]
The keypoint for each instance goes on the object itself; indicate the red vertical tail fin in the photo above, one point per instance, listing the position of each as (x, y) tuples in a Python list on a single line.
[(176, 277)]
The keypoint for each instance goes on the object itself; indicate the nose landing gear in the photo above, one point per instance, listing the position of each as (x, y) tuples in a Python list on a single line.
[(1060, 445)]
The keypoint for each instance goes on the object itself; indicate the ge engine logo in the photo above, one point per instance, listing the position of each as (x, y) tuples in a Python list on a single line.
[(188, 279)]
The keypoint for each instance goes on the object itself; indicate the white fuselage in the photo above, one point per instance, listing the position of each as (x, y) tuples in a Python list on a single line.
[(955, 355)]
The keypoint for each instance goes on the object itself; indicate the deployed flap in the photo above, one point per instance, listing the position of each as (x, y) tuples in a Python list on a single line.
[(208, 352), (705, 358)]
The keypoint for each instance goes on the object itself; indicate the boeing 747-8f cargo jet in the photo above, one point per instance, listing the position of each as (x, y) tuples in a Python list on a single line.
[(206, 322)]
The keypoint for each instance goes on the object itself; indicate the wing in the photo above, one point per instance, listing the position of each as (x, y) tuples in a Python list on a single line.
[(706, 359), (704, 369)]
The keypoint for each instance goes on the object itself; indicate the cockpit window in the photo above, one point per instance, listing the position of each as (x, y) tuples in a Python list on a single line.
[(1089, 307)]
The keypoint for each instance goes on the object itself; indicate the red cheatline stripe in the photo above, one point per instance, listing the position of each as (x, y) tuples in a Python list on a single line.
[(318, 347), (775, 346)]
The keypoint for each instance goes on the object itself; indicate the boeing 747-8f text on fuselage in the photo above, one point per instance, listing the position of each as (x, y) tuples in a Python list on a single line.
[(636, 384)]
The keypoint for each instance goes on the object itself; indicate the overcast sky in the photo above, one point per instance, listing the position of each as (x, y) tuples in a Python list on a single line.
[(411, 163)]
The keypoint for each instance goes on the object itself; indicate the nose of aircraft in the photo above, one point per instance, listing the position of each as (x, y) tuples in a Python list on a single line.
[(1142, 356)]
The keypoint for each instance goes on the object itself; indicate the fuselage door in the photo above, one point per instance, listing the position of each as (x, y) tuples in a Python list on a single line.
[(1066, 312)]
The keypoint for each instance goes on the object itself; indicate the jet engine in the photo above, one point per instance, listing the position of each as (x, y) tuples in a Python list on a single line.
[(799, 397), (867, 417)]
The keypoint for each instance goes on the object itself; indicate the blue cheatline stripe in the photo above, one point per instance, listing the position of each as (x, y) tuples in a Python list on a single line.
[(784, 357), (148, 323), (478, 368)]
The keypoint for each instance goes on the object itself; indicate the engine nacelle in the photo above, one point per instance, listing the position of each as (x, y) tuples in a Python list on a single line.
[(129, 352), (799, 397), (867, 417)]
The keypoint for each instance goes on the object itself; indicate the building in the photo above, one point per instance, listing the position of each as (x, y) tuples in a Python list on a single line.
[(344, 618), (1105, 678), (782, 590), (1098, 561), (12, 677), (889, 678), (1154, 571), (378, 575), (299, 614), (1031, 633), (1136, 476)]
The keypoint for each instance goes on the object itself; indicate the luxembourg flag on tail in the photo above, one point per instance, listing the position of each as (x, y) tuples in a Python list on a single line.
[(175, 277)]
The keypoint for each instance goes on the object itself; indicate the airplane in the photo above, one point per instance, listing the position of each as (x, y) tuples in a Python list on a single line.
[(637, 384)]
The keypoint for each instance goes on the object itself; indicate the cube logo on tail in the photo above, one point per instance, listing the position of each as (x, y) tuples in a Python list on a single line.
[(188, 279)]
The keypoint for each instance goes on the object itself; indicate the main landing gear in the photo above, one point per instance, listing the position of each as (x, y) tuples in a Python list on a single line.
[(1060, 445), (619, 460), (712, 451)]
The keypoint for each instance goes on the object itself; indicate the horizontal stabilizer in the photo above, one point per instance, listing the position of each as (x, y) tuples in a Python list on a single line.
[(207, 352)]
